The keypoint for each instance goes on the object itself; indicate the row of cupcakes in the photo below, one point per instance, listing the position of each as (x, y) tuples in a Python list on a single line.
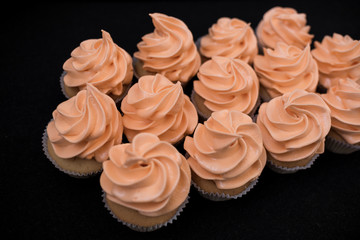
[(146, 181)]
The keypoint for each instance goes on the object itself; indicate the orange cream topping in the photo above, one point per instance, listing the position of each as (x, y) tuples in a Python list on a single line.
[(156, 105), (337, 57), (169, 50), (294, 125), (283, 25), (85, 126), (227, 83), (227, 149), (343, 99), (99, 62), (147, 175), (231, 38), (285, 69)]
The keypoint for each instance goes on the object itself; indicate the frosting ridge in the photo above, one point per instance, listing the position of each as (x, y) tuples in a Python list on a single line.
[(227, 83), (227, 149), (294, 125), (283, 25), (156, 105), (286, 68), (99, 62), (169, 50), (147, 175), (230, 37), (86, 125), (337, 57), (343, 99)]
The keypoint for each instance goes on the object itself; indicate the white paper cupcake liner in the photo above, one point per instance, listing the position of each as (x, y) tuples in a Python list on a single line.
[(222, 196), (286, 170), (142, 228), (70, 173), (62, 84), (336, 146)]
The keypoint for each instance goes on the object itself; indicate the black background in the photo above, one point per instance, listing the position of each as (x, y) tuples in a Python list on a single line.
[(38, 201)]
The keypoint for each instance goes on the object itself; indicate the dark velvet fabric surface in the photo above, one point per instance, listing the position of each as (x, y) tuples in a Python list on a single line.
[(39, 201)]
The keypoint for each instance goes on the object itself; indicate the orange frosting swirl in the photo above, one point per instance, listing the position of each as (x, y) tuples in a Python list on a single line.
[(283, 25), (285, 69), (227, 149), (156, 105), (231, 38), (86, 125), (147, 175), (294, 125), (99, 62), (169, 50), (343, 99), (337, 57), (227, 83)]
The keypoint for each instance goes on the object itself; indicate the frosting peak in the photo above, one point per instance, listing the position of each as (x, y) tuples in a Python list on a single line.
[(343, 99), (230, 37), (86, 125), (283, 25), (337, 57), (169, 50), (227, 83), (147, 175), (99, 62), (294, 125), (227, 149), (156, 105), (286, 68)]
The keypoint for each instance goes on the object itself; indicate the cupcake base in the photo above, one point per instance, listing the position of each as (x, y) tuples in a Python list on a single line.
[(72, 91), (264, 95), (208, 189), (336, 144), (291, 167), (137, 221), (75, 167), (139, 71), (204, 113)]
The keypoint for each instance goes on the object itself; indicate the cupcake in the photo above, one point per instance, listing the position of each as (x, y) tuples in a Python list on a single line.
[(343, 99), (285, 69), (294, 127), (283, 25), (225, 83), (78, 138), (226, 155), (337, 57), (99, 62), (157, 105), (229, 37), (145, 183), (169, 50)]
